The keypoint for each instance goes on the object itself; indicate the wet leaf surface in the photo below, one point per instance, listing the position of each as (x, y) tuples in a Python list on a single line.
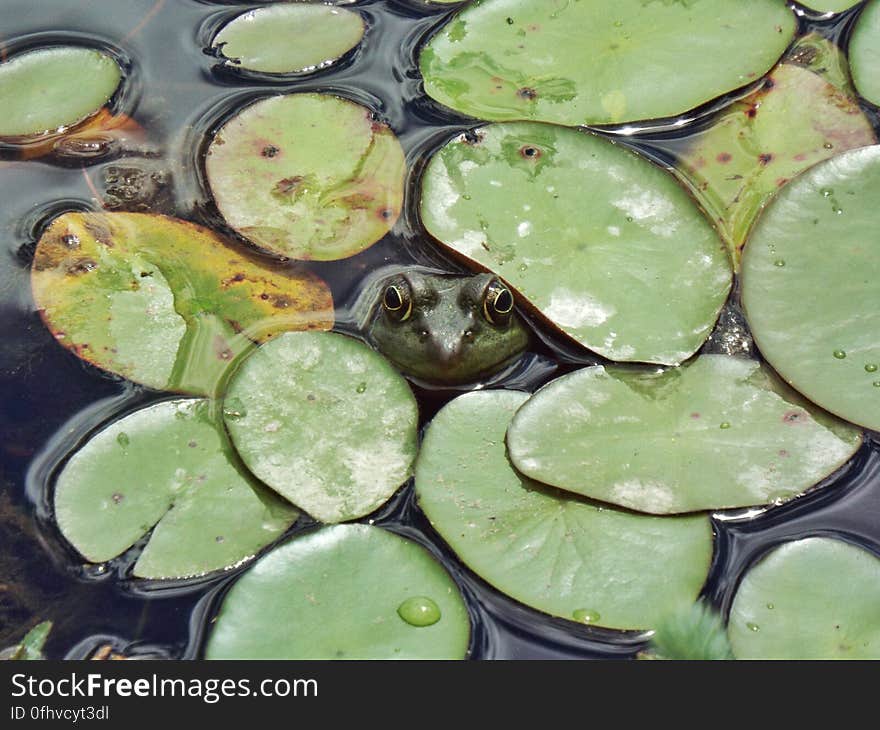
[(519, 59), (560, 554), (337, 593), (829, 6), (719, 432), (767, 138), (281, 38), (307, 176), (864, 53), (162, 301), (324, 421), (811, 283), (35, 88), (166, 470), (814, 598), (590, 234)]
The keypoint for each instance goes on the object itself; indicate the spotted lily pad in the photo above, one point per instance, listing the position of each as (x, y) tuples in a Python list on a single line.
[(35, 88), (343, 592), (324, 421), (162, 301), (588, 63), (167, 471), (811, 283), (864, 53), (558, 553), (604, 244), (719, 432), (814, 598), (760, 142), (281, 38), (307, 176)]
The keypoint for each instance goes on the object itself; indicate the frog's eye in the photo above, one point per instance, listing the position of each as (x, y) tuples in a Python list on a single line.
[(497, 303), (397, 301)]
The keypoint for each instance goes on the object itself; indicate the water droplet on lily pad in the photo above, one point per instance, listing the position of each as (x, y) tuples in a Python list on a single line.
[(334, 592), (419, 611), (839, 354), (586, 615)]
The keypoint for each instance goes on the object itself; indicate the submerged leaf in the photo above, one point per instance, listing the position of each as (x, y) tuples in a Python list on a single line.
[(695, 634), (811, 283), (167, 471), (557, 553), (307, 176), (590, 63), (35, 88), (324, 421), (337, 593), (814, 598), (762, 141), (719, 432), (162, 301), (592, 235), (292, 38)]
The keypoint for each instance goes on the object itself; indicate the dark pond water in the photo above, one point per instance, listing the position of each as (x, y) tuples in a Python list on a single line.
[(51, 400)]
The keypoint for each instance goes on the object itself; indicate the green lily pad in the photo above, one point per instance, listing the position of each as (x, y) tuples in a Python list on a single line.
[(557, 553), (162, 301), (35, 89), (814, 598), (281, 38), (719, 432), (864, 53), (592, 235), (588, 63), (764, 140), (829, 6), (325, 421), (307, 176), (811, 283), (166, 470), (339, 593)]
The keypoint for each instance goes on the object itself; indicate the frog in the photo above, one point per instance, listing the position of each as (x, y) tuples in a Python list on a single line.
[(445, 328)]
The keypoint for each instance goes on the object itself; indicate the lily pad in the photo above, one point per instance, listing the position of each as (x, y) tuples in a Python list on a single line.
[(162, 301), (864, 53), (811, 283), (605, 245), (324, 421), (764, 140), (719, 432), (281, 38), (814, 598), (167, 471), (586, 63), (338, 593), (829, 6), (555, 552), (35, 89), (307, 176)]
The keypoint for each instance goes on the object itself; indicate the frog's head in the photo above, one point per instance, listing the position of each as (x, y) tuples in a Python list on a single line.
[(446, 329)]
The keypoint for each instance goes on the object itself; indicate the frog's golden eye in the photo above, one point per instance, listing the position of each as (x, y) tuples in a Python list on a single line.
[(497, 303), (397, 301)]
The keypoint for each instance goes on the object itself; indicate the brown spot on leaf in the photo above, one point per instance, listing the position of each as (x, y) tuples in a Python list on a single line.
[(221, 349), (530, 152), (385, 213), (287, 185), (82, 266), (71, 240), (794, 417), (270, 150), (765, 158), (117, 497), (724, 158), (527, 93)]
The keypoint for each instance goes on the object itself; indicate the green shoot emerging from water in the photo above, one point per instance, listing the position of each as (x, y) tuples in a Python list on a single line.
[(696, 633)]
